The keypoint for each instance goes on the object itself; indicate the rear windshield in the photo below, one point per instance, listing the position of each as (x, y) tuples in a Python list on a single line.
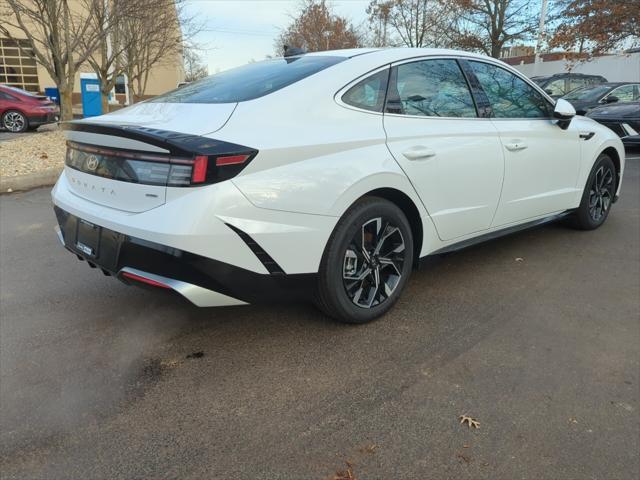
[(249, 81)]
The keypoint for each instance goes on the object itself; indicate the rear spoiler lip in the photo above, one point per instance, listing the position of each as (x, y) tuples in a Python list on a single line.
[(178, 144)]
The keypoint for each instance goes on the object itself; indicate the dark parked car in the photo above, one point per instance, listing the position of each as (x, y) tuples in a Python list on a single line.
[(622, 118), (20, 110), (562, 83), (587, 98)]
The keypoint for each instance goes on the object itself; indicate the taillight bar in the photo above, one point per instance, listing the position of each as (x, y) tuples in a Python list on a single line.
[(167, 170)]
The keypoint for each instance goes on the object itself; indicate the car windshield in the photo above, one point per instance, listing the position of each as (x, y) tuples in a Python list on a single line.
[(249, 81), (588, 93)]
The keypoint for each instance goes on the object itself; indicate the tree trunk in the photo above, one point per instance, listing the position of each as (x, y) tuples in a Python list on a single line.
[(130, 90), (104, 97), (496, 50), (66, 105)]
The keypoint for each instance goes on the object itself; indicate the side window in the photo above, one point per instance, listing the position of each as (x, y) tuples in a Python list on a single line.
[(509, 95), (624, 93), (368, 93), (556, 88), (430, 88)]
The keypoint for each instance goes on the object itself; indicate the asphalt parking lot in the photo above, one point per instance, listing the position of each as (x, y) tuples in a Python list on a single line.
[(536, 335)]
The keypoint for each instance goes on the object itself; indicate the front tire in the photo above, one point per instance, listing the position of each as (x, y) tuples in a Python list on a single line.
[(366, 263), (15, 121), (598, 194)]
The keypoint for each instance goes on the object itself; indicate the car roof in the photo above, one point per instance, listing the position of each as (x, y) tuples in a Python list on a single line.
[(566, 74), (394, 54)]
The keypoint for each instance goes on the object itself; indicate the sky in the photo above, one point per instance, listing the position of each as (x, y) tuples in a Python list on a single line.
[(237, 31)]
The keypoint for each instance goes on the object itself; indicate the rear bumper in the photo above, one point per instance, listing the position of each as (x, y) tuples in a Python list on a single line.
[(203, 281), (42, 119)]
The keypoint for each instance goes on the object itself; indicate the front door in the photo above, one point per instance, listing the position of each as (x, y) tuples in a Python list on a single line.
[(541, 160), (452, 157)]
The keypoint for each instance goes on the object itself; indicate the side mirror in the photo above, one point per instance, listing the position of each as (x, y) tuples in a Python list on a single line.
[(548, 91), (611, 99), (564, 112)]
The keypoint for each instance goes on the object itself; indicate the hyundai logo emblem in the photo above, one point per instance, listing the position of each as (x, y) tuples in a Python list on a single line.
[(92, 162)]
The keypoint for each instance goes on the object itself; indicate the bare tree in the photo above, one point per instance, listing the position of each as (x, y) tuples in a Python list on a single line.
[(106, 58), (317, 28), (412, 23), (59, 35), (378, 13), (489, 25), (194, 68), (154, 36)]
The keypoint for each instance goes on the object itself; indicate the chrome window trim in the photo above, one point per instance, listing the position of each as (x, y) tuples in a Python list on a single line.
[(491, 61)]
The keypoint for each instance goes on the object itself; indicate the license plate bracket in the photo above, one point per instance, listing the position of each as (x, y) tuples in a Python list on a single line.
[(88, 238)]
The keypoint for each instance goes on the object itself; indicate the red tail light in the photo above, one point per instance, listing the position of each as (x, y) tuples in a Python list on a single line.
[(231, 160), (156, 169), (200, 164)]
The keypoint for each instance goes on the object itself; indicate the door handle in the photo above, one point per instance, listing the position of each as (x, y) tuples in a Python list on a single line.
[(418, 153), (515, 146)]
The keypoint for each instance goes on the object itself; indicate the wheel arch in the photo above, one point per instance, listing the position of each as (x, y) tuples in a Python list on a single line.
[(410, 210), (615, 157)]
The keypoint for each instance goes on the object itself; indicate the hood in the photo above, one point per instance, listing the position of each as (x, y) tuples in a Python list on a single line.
[(617, 110), (581, 106), (191, 118)]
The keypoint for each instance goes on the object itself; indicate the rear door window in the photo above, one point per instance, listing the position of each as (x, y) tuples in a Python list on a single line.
[(249, 81)]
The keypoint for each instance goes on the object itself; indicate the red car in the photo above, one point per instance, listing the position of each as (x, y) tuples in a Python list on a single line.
[(20, 110)]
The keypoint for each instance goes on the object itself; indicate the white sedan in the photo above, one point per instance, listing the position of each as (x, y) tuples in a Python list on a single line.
[(326, 176)]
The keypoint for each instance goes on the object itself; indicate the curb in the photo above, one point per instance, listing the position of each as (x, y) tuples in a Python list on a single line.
[(20, 183)]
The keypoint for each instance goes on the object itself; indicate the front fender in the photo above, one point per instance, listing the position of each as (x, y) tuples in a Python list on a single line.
[(603, 139)]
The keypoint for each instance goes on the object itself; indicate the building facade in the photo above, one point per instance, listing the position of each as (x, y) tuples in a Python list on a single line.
[(18, 68)]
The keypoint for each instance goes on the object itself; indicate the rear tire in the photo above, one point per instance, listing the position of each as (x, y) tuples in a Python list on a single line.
[(366, 263), (598, 194), (15, 121)]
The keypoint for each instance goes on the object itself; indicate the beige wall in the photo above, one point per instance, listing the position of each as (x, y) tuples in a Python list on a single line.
[(162, 78)]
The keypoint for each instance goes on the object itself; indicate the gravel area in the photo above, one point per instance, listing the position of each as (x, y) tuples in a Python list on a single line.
[(33, 153)]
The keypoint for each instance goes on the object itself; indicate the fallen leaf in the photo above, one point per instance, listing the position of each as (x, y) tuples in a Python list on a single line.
[(369, 448), (519, 259), (44, 156), (345, 474), (470, 421)]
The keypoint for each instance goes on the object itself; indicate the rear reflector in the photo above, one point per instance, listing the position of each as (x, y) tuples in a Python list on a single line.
[(231, 160), (148, 281)]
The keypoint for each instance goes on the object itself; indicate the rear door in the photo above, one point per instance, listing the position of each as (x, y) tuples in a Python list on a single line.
[(541, 159), (452, 157)]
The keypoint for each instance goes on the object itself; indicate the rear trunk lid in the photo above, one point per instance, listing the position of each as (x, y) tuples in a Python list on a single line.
[(116, 162), (191, 118)]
